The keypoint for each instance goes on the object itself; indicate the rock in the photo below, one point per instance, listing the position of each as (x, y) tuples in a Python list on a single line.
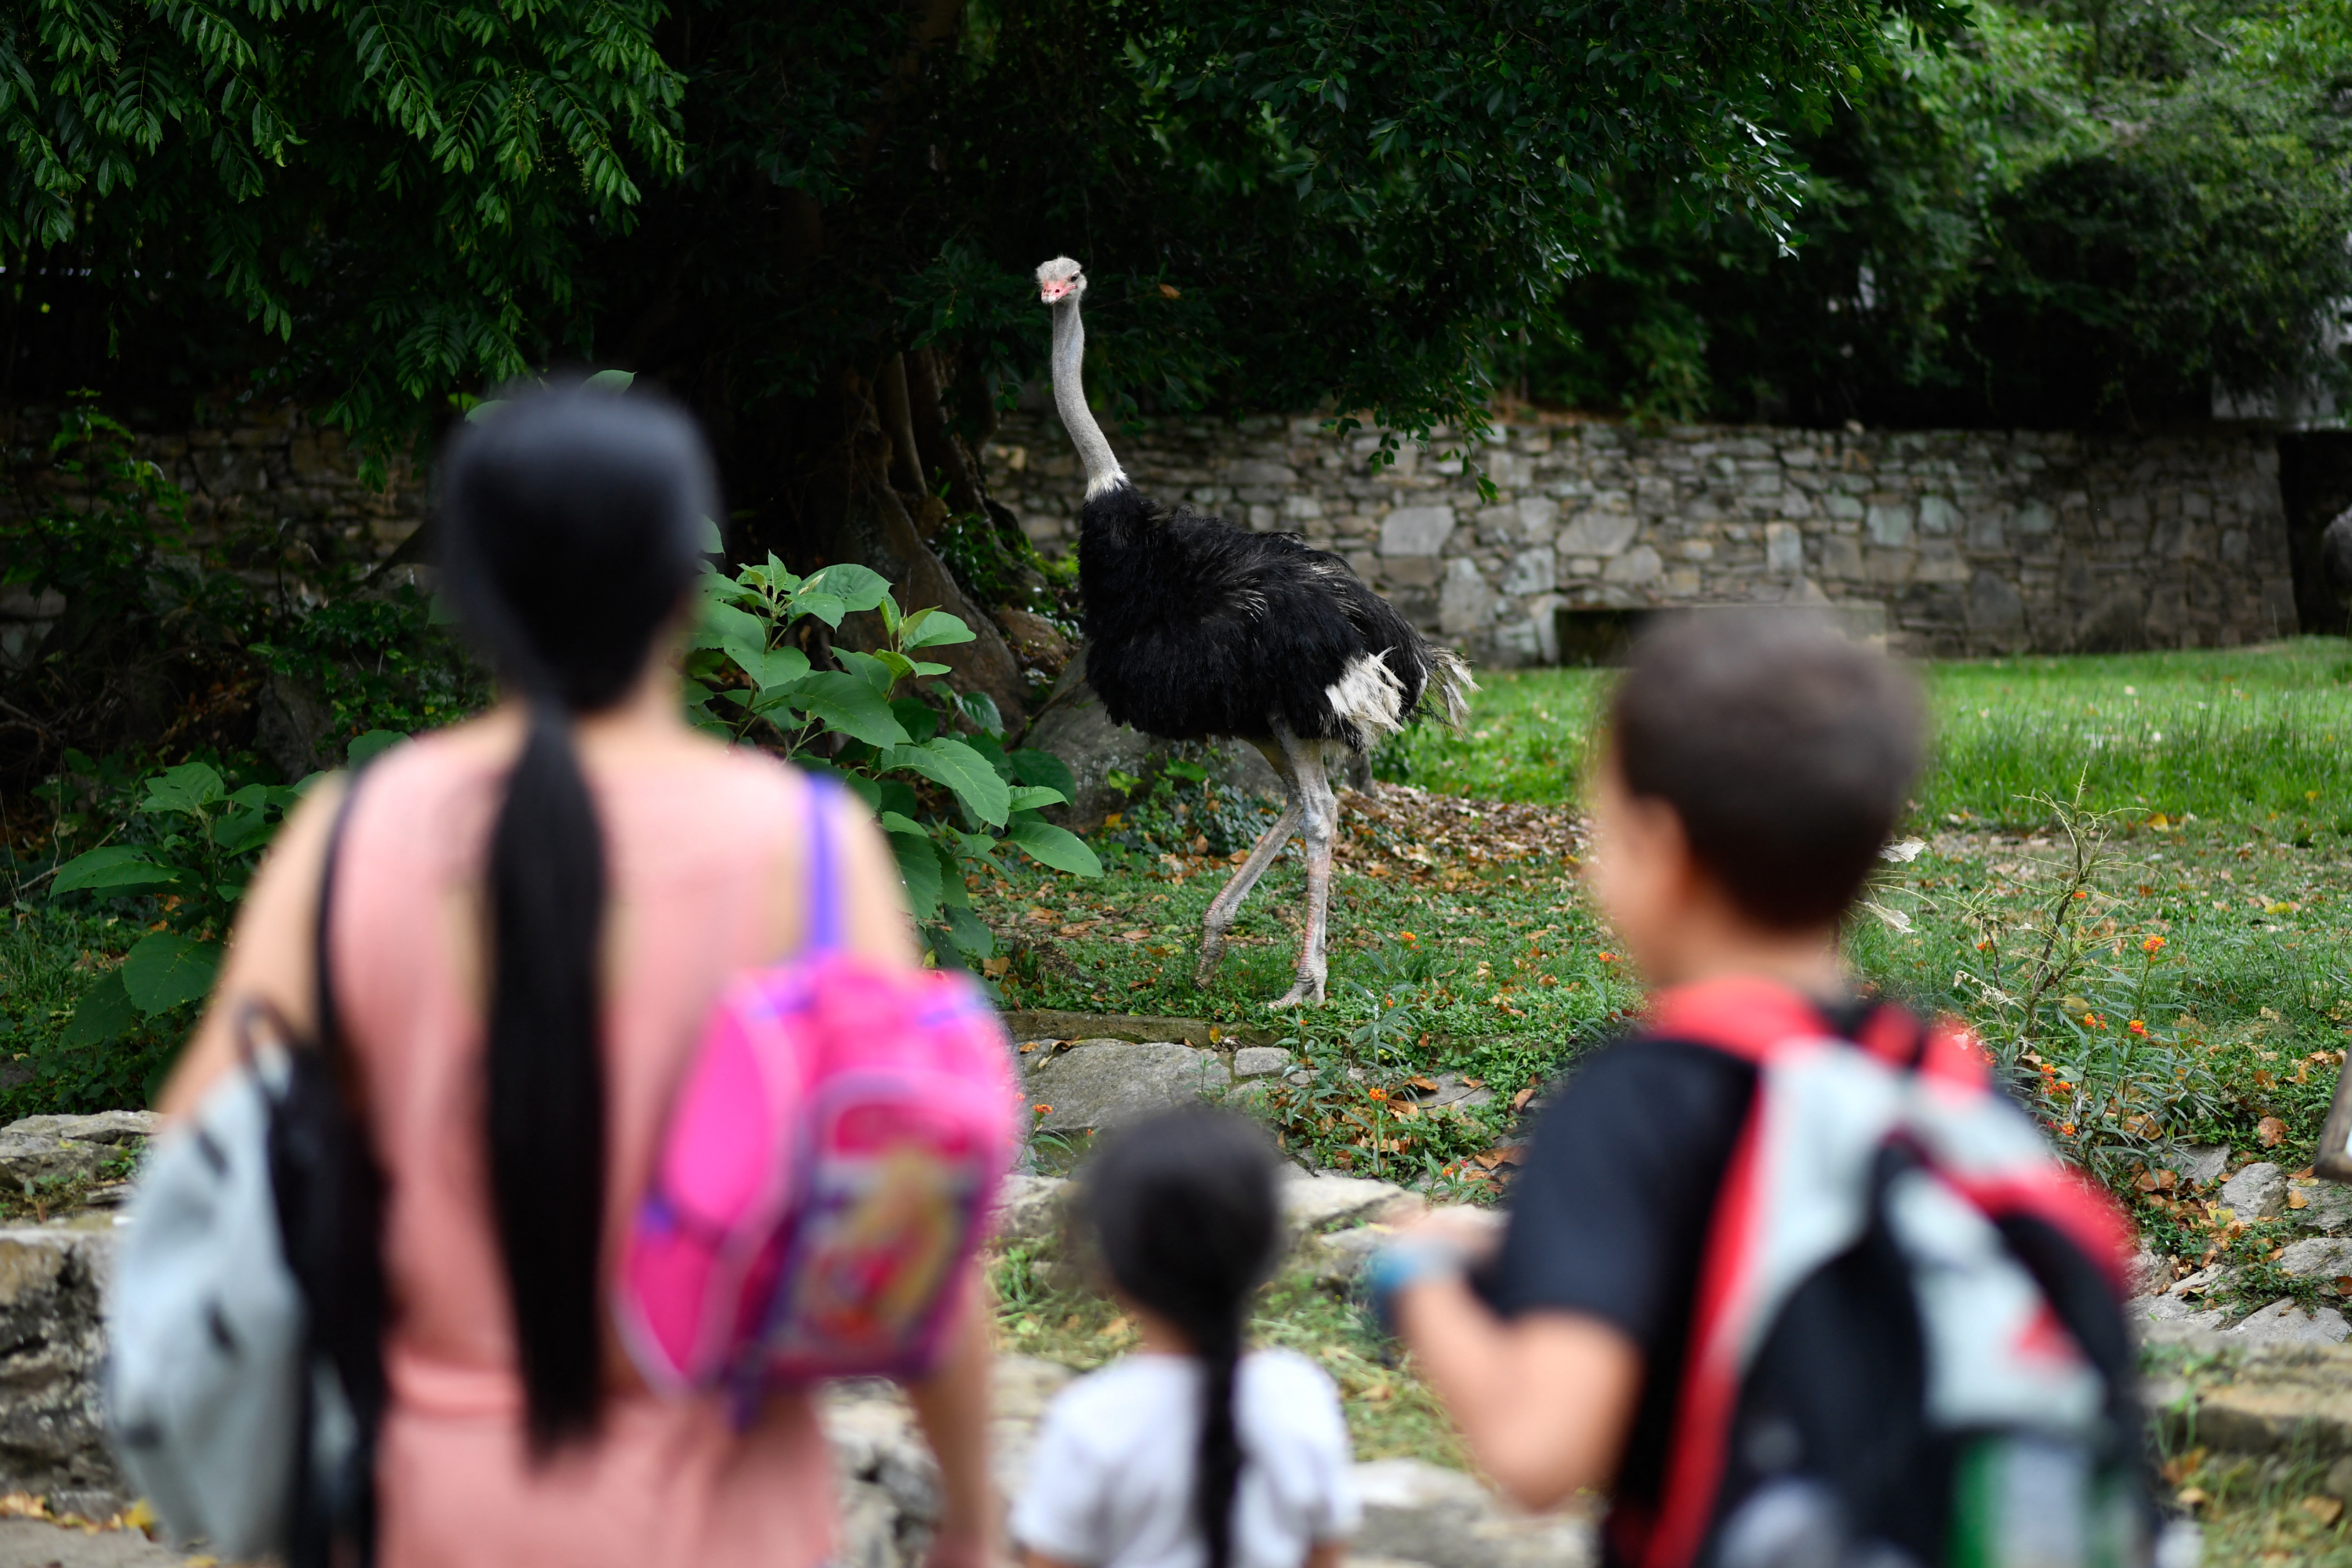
[(1035, 639), (2269, 1397), (2149, 1272), (2205, 1281), (1336, 1257), (2141, 1311), (1030, 1209), (2327, 1206), (1074, 727), (52, 1440), (68, 1148), (1261, 1061), (2199, 1163), (1052, 1024), (1318, 1201), (2258, 1192), (2325, 1255), (1425, 1513), (1102, 1083), (293, 726), (2284, 1323), (38, 1543)]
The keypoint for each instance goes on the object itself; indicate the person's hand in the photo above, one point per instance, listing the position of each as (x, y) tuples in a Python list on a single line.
[(960, 1549), (1474, 1233)]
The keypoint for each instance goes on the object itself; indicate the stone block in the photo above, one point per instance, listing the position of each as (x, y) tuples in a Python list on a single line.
[(1841, 557), (1784, 549), (1538, 516), (1580, 566), (1531, 572), (1257, 471), (1939, 562), (1261, 1061), (1843, 507), (1510, 470), (2325, 1256), (2032, 517), (1597, 533), (1465, 602), (1416, 530), (1636, 567), (1409, 571), (1889, 524), (1498, 525), (1937, 514)]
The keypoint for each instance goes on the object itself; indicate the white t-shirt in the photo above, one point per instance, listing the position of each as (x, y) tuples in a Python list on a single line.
[(1110, 1480)]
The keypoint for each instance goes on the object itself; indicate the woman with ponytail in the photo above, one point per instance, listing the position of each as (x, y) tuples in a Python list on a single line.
[(531, 914), (1196, 1452)]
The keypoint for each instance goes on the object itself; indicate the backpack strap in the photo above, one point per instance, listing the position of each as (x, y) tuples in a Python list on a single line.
[(828, 921)]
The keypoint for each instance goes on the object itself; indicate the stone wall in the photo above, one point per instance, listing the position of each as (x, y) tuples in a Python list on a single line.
[(243, 467), (1974, 542)]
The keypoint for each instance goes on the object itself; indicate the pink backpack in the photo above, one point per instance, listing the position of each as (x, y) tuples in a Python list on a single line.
[(829, 1166)]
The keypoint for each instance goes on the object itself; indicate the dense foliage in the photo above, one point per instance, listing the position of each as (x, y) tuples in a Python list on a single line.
[(2081, 212), (1289, 202)]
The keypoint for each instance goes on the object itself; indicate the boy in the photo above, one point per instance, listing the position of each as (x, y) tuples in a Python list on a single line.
[(1754, 768)]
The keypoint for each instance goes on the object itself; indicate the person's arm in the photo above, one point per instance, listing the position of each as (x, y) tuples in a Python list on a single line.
[(269, 950), (952, 1405), (1544, 1400)]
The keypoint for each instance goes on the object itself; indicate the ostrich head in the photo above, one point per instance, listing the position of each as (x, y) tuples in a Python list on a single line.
[(1059, 280)]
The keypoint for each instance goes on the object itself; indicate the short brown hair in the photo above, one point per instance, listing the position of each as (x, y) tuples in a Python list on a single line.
[(1785, 749)]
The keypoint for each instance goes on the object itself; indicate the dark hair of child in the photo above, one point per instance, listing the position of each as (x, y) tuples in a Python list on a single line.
[(570, 523), (1784, 748), (1185, 1213)]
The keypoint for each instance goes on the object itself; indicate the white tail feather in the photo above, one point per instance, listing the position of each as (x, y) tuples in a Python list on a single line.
[(1369, 695)]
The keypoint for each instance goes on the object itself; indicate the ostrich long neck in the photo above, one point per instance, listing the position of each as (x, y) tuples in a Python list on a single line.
[(1103, 471)]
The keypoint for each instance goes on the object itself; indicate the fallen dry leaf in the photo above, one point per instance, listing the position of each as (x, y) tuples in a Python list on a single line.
[(2191, 1497), (994, 968), (1519, 1101), (1426, 1085), (2298, 1200), (2327, 1510), (2271, 1131)]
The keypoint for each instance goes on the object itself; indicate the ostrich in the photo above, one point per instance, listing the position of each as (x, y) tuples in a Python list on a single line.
[(1196, 628)]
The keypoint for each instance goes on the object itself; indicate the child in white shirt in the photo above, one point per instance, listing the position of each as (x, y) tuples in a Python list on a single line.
[(1190, 1454)]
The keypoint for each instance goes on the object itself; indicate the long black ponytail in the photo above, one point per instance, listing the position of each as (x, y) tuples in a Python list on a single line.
[(1186, 1215), (570, 523)]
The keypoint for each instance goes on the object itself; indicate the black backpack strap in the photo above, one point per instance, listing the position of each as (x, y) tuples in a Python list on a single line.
[(328, 1025)]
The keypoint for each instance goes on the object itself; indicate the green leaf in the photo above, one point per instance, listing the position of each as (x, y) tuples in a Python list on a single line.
[(961, 769), (1030, 797), (721, 624), (712, 541), (1031, 766), (935, 629), (484, 409), (843, 702), (117, 868), (826, 607), (1050, 846), (611, 380), (981, 707), (242, 831), (918, 867), (868, 669), (857, 587), (188, 789), (166, 969), (920, 719), (971, 935), (374, 743), (893, 822), (770, 669), (104, 1012)]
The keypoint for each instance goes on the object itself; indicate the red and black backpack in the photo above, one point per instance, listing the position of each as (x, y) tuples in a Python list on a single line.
[(1908, 1349)]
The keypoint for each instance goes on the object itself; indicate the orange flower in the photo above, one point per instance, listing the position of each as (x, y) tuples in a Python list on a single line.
[(2092, 1021), (1608, 958), (2136, 1027), (1407, 936), (2153, 945), (1376, 1093), (2067, 1127), (1042, 1110)]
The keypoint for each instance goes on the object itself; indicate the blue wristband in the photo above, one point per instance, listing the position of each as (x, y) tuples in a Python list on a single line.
[(1405, 1263)]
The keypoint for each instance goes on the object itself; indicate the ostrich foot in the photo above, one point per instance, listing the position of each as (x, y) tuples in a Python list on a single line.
[(1212, 948), (1307, 991)]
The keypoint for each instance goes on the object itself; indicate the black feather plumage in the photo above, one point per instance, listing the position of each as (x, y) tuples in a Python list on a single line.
[(1197, 628)]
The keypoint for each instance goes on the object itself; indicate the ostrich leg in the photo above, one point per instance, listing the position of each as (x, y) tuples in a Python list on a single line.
[(1228, 904), (1319, 817)]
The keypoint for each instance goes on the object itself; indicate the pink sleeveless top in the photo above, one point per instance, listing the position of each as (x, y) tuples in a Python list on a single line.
[(691, 860)]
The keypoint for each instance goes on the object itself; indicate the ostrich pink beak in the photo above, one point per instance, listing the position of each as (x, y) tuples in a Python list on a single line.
[(1052, 293)]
